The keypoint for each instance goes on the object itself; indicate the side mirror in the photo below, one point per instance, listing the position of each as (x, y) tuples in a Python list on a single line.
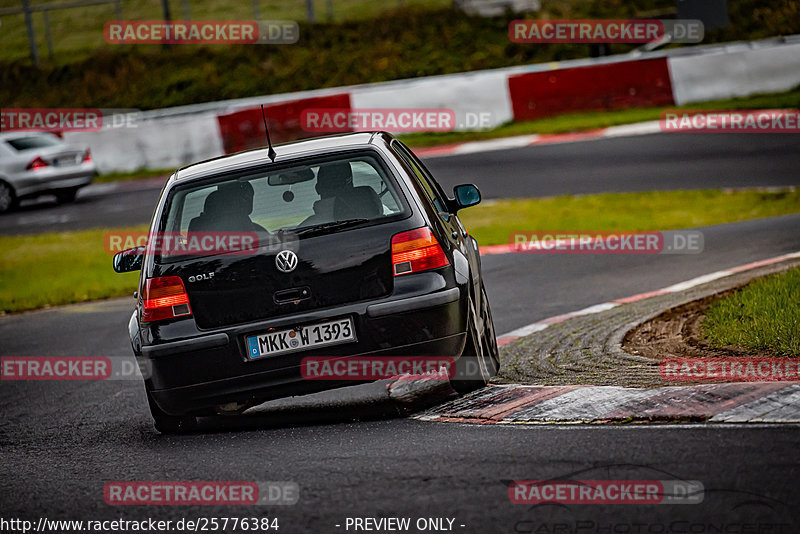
[(129, 260), (466, 195)]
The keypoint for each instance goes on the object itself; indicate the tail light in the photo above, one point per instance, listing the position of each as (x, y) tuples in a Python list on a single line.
[(37, 163), (416, 250), (165, 298), (87, 156)]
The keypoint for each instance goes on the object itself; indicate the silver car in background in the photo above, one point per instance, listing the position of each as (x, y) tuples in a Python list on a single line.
[(37, 163)]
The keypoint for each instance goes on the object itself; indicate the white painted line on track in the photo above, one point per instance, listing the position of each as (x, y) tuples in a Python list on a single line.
[(675, 288)]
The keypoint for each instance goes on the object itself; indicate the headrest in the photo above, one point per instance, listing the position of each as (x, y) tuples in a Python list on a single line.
[(333, 177), (235, 196)]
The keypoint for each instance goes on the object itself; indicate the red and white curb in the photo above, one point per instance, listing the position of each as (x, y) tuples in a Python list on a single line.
[(716, 403), (741, 402), (597, 308), (520, 141)]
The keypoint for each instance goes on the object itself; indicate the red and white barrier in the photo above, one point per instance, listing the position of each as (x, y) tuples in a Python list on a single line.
[(244, 129), (619, 85), (178, 136), (736, 73)]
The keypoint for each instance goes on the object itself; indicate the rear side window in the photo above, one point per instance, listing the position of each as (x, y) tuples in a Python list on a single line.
[(293, 198), (33, 141), (423, 178)]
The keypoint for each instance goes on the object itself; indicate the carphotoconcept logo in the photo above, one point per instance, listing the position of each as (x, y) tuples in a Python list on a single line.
[(607, 242), (595, 31), (201, 32), (731, 121)]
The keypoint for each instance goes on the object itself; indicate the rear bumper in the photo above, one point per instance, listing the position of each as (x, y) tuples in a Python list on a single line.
[(45, 180), (260, 387), (198, 371)]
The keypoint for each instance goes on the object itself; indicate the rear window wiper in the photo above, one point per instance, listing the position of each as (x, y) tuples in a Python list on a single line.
[(329, 226)]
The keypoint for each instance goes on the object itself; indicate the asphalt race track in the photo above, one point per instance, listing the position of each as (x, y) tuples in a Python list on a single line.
[(351, 456), (643, 163)]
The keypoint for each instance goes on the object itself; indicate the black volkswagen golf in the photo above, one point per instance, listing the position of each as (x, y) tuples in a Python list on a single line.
[(341, 247)]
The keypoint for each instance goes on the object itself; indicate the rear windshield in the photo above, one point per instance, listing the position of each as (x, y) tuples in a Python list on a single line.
[(313, 197), (33, 141)]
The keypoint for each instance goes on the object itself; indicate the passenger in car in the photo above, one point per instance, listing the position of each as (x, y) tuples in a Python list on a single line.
[(228, 209), (339, 200)]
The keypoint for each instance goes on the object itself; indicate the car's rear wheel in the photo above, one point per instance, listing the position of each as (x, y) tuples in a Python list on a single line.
[(8, 200), (66, 195), (479, 362), (170, 424), (490, 335)]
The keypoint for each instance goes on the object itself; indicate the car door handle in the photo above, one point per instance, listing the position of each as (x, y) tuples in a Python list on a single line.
[(454, 235), (291, 295)]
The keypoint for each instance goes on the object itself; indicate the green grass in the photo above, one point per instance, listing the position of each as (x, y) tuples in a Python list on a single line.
[(764, 315), (379, 42), (74, 267), (52, 269), (576, 122), (80, 31), (492, 222)]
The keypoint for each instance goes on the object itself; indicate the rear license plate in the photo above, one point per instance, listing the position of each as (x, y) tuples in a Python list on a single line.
[(303, 338), (65, 160)]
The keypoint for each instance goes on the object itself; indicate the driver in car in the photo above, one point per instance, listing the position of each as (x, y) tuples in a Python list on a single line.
[(228, 209)]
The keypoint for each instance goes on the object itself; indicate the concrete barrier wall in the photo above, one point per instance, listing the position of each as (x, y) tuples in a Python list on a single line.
[(466, 94), (733, 74), (173, 137), (244, 129), (165, 143), (609, 86)]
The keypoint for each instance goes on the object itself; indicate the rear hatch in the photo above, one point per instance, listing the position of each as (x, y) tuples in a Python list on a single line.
[(335, 268), (327, 257)]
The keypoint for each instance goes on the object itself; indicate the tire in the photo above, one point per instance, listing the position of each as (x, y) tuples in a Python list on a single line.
[(479, 362), (8, 200), (170, 424), (66, 195), (491, 335)]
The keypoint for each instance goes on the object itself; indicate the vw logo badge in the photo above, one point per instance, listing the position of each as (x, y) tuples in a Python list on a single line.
[(286, 261)]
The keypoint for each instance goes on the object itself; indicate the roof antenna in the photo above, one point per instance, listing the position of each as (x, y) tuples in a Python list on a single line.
[(271, 152)]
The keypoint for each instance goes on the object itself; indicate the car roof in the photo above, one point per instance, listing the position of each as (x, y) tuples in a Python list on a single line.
[(284, 151)]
